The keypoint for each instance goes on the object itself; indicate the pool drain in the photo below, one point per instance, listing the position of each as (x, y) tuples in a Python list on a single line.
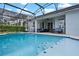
[(44, 52)]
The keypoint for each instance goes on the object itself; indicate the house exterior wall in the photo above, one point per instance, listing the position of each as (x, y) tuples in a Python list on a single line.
[(72, 23), (10, 17)]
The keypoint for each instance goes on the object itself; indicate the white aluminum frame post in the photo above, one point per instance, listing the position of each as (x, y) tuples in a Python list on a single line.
[(35, 26)]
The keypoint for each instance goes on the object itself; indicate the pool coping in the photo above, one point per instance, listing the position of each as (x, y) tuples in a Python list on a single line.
[(65, 35)]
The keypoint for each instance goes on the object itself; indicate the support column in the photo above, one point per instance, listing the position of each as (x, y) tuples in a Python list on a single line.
[(35, 26), (22, 22)]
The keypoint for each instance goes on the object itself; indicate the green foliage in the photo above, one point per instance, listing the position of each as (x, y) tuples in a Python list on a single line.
[(8, 28)]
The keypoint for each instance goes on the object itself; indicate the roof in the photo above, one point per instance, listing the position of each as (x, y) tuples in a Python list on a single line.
[(61, 10), (11, 13)]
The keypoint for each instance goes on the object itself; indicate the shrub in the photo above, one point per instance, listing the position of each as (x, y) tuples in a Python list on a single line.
[(8, 28)]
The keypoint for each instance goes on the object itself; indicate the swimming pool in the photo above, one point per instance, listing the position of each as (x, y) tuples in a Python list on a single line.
[(26, 44)]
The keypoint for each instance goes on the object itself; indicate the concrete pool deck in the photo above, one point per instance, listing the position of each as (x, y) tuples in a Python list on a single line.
[(66, 47)]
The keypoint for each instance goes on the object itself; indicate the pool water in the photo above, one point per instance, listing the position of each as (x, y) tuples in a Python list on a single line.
[(25, 44)]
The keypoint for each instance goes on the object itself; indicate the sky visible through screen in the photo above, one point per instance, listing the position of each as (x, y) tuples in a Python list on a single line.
[(32, 7)]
